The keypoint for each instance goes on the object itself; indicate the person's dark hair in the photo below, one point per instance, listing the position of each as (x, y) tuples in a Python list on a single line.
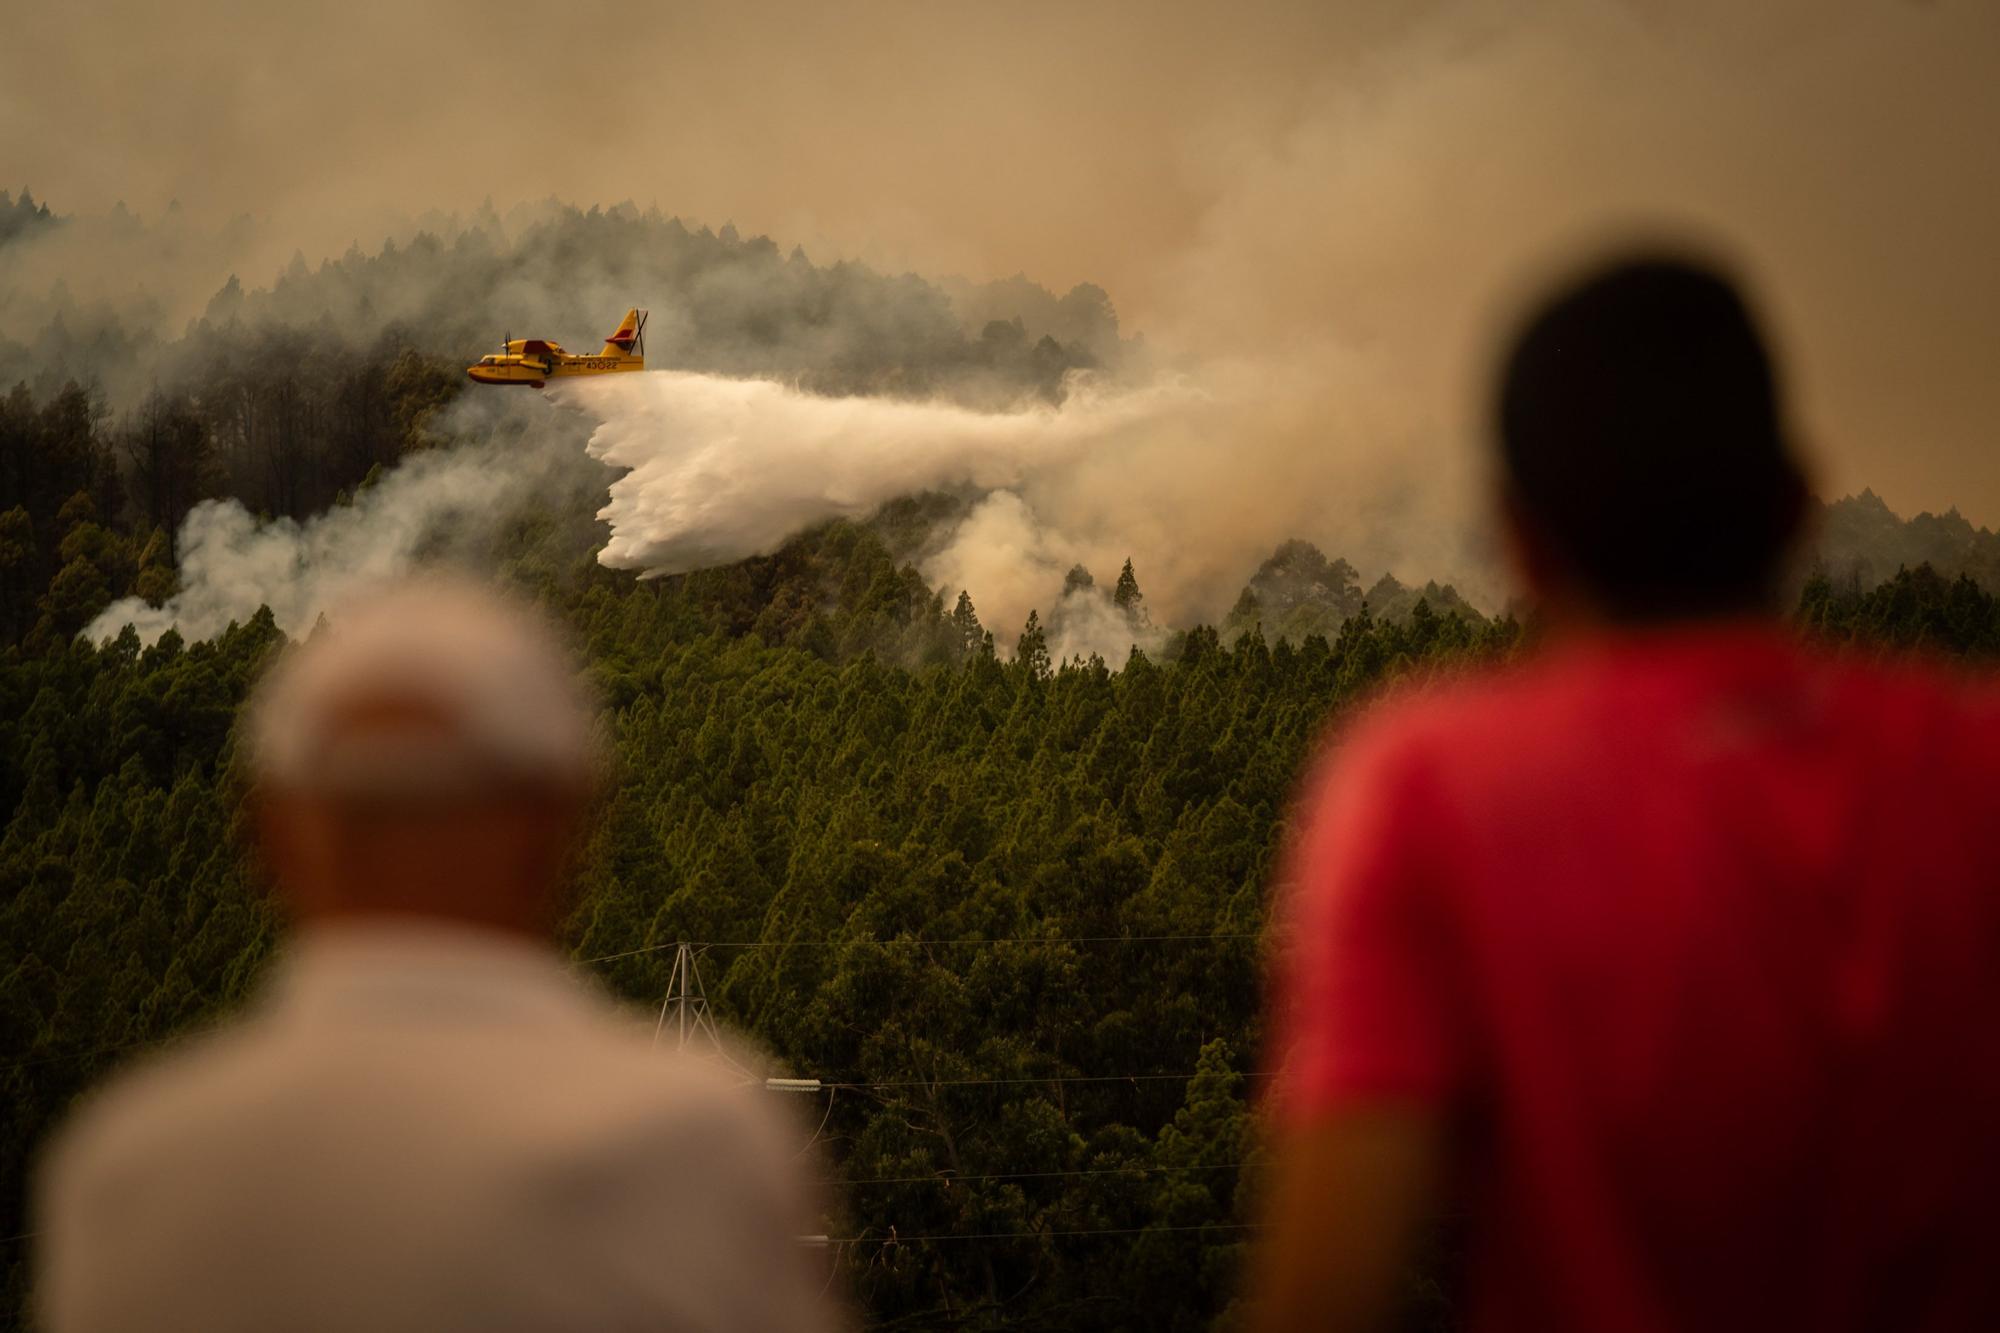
[(1642, 436)]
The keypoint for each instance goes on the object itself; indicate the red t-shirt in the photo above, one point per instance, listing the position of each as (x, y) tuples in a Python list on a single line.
[(1697, 937)]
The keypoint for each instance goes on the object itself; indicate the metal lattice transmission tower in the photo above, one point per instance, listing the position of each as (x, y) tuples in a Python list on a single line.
[(685, 1017), (684, 1013)]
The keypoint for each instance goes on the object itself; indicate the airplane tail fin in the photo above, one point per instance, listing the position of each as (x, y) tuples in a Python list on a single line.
[(631, 332)]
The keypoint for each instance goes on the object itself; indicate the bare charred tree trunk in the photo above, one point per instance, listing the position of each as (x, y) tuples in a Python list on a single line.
[(169, 452)]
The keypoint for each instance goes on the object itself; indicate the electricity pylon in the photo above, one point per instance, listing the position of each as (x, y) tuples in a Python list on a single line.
[(687, 1005), (685, 1015)]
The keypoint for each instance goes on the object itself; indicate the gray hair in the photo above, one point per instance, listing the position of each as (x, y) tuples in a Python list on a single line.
[(462, 690)]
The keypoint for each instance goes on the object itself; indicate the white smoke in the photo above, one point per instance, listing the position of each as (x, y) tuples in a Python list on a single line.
[(231, 563), (1012, 562), (721, 469)]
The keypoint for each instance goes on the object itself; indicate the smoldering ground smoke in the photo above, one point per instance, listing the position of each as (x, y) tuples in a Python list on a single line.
[(446, 505)]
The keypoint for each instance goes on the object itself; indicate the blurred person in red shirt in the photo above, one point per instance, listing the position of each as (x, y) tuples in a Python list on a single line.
[(1669, 956)]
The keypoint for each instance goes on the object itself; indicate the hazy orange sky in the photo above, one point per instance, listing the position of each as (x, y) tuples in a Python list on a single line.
[(1354, 189)]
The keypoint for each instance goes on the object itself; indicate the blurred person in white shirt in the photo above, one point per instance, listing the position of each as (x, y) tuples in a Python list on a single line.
[(427, 1122)]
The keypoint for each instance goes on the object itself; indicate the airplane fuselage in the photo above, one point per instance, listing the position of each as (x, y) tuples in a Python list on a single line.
[(517, 365), (535, 361)]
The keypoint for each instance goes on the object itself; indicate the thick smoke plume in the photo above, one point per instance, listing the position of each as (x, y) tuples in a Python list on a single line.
[(231, 563), (445, 505), (719, 469)]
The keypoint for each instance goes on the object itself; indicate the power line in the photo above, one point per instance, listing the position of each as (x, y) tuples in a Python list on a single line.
[(975, 1235), (1035, 1175), (1045, 1078), (965, 942), (1037, 1235), (849, 1084)]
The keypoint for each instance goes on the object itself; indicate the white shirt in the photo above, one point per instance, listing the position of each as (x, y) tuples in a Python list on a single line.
[(428, 1129)]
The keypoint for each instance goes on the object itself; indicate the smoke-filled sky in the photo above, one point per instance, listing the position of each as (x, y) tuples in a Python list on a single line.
[(1339, 197)]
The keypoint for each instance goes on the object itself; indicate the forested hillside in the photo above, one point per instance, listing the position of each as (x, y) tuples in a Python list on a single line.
[(1019, 907), (453, 287), (1861, 542), (22, 216), (813, 812), (1012, 908)]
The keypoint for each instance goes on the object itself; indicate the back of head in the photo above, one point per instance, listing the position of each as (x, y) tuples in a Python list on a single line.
[(426, 752), (1643, 440)]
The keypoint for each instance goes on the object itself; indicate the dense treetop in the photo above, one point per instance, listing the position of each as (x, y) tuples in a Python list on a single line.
[(23, 216)]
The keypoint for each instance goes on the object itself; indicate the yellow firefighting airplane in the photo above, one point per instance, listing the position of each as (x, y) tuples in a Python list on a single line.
[(533, 362)]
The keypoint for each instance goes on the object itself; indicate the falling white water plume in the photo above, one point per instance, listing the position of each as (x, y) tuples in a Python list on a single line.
[(721, 469)]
